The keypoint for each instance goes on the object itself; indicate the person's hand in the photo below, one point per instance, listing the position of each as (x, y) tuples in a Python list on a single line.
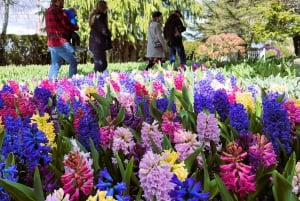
[(73, 21)]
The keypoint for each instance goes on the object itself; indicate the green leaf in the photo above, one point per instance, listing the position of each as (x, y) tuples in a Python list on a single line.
[(171, 100), (10, 160), (166, 143), (103, 103), (1, 138), (55, 170), (282, 189), (95, 156), (154, 146), (280, 98), (155, 113), (128, 173), (18, 191), (37, 185), (224, 131), (189, 161), (213, 189), (225, 194), (120, 117), (120, 165), (206, 175), (186, 98), (289, 168)]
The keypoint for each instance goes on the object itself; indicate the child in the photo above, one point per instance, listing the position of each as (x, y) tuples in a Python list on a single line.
[(74, 37)]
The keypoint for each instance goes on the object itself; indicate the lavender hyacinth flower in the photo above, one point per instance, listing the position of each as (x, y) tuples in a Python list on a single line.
[(220, 77)]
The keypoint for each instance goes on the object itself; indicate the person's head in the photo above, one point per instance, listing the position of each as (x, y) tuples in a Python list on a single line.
[(178, 13), (101, 7), (59, 3), (157, 16), (73, 10)]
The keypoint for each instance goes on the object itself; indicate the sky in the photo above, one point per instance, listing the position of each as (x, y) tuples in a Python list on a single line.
[(23, 18)]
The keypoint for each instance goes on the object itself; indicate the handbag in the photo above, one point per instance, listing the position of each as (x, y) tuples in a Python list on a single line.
[(157, 44)]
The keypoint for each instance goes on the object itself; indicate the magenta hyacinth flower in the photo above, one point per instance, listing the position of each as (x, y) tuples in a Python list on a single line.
[(169, 125), (106, 136), (262, 152), (179, 81), (236, 175), (79, 175), (293, 114)]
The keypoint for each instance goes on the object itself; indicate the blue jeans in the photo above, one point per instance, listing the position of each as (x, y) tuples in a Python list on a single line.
[(181, 52), (58, 54)]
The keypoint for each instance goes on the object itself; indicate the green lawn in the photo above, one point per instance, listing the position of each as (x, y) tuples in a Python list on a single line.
[(25, 73)]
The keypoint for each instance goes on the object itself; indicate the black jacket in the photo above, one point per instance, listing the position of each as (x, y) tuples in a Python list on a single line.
[(100, 36), (173, 29)]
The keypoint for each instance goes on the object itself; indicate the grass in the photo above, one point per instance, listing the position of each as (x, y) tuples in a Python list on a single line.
[(31, 72)]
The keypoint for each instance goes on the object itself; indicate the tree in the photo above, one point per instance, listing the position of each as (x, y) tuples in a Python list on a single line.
[(6, 4), (229, 16), (278, 21)]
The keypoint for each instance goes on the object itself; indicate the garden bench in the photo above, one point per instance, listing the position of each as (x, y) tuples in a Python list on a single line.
[(256, 53)]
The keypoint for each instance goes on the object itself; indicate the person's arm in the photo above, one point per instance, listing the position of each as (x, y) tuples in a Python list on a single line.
[(180, 26)]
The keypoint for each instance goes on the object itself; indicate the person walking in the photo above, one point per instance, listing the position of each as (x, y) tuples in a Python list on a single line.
[(58, 27), (156, 46), (172, 33), (100, 36)]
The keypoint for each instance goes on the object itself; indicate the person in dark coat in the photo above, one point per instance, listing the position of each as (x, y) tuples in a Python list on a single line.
[(172, 33), (100, 36)]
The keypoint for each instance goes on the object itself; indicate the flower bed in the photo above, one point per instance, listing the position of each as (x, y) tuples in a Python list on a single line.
[(148, 136)]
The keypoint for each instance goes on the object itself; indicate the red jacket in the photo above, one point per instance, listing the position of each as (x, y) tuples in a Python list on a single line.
[(58, 26)]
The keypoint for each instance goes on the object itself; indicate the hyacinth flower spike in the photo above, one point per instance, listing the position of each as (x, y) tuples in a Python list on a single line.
[(235, 174), (188, 190), (105, 183)]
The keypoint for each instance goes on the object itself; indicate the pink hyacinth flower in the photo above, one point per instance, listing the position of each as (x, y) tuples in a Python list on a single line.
[(79, 175), (236, 176)]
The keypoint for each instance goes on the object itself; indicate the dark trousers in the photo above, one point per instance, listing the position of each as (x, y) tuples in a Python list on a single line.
[(100, 61), (296, 40), (75, 39), (173, 49)]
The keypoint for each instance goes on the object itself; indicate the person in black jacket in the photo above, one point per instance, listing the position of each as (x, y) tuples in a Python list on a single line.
[(172, 33), (100, 36)]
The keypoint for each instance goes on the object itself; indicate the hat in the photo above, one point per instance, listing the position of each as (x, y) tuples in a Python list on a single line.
[(156, 14)]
